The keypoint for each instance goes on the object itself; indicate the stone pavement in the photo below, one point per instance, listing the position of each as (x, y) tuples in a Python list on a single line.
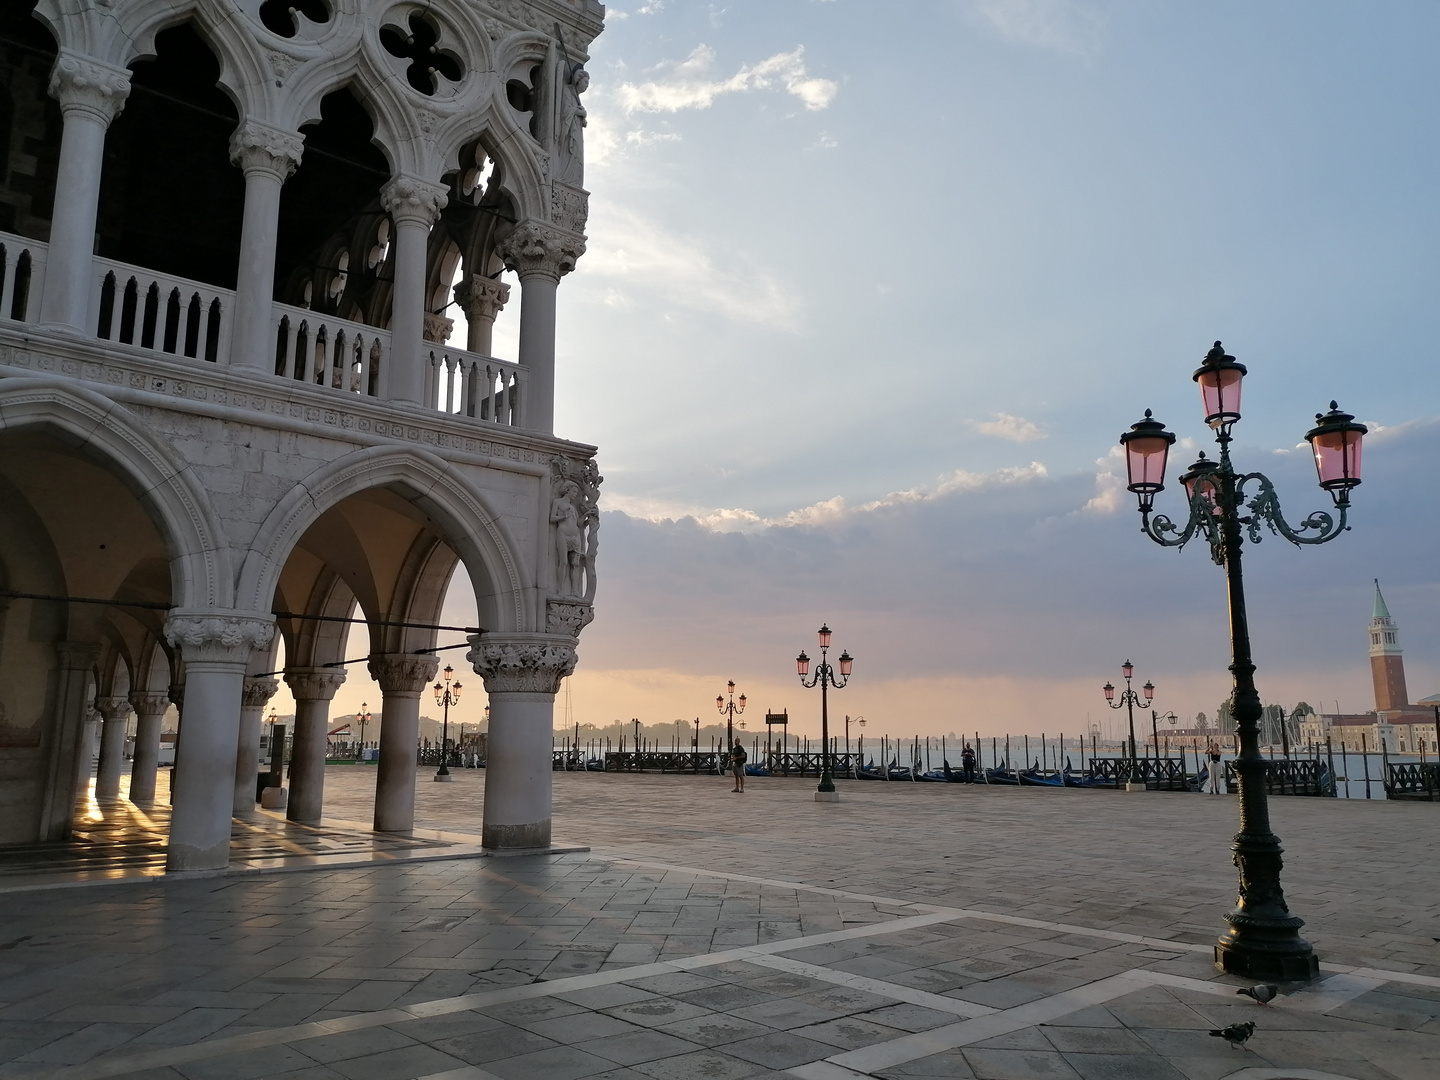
[(912, 930)]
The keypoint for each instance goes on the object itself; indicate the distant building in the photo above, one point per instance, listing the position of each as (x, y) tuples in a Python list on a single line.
[(1396, 724)]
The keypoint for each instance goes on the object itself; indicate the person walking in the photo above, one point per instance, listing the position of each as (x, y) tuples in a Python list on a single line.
[(1213, 753), (737, 763)]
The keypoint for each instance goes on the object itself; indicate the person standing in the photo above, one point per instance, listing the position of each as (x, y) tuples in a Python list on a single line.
[(1213, 754), (967, 762), (737, 763)]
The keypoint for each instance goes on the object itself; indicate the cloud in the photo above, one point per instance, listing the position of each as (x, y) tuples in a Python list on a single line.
[(1065, 26), (1011, 428), (628, 252), (688, 84)]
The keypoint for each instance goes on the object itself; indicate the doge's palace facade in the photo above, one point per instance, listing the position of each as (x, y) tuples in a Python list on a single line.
[(230, 410)]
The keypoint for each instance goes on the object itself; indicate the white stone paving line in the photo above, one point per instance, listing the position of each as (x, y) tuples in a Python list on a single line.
[(894, 991)]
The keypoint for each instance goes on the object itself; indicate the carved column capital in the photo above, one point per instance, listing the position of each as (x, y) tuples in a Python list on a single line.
[(410, 199), (481, 297), (113, 708), (522, 663), (176, 693), (258, 146), (83, 85), (218, 637), (403, 673), (258, 691), (568, 617), (149, 703), (314, 684), (534, 248), (76, 655), (438, 328)]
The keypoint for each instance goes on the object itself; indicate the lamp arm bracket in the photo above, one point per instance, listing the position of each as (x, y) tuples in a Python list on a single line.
[(1264, 509), (1166, 533)]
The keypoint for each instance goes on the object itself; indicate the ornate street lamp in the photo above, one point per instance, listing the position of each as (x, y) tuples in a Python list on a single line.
[(447, 693), (729, 709), (825, 678), (1128, 700), (1263, 941), (363, 719)]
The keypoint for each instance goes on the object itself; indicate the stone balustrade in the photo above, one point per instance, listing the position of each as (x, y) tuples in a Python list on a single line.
[(188, 320)]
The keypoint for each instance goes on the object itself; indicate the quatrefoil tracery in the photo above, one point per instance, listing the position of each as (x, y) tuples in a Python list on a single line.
[(421, 47)]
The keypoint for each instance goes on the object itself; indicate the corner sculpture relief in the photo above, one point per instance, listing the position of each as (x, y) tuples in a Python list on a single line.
[(574, 534), (570, 133)]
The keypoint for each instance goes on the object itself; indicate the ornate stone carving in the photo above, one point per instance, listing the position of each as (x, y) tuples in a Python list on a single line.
[(256, 145), (481, 297), (283, 64), (149, 703), (176, 694), (76, 655), (84, 85), (404, 674), (521, 663), (569, 207), (437, 328), (533, 247), (570, 134), (218, 638), (314, 684), (575, 527), (113, 708), (258, 691), (567, 617), (407, 198)]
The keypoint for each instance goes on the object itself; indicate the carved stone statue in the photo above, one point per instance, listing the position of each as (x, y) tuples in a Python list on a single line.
[(570, 133), (569, 540)]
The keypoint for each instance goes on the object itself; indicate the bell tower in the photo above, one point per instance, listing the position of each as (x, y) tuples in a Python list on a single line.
[(1387, 665)]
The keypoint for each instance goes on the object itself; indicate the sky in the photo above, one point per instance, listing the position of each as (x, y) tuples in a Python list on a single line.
[(872, 289)]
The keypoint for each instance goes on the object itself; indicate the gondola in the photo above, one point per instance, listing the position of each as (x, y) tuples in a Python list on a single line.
[(756, 770), (595, 765), (1001, 776), (1035, 778)]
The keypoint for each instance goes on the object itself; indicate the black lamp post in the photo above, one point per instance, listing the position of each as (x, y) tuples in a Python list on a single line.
[(729, 709), (1263, 941), (447, 693), (363, 718), (825, 678), (1128, 700)]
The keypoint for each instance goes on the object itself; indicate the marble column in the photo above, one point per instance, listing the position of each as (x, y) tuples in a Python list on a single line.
[(69, 749), (522, 674), (215, 647), (403, 679), (254, 697), (91, 95), (481, 299), (267, 155), (149, 720), (413, 205), (540, 254), (313, 689), (116, 714)]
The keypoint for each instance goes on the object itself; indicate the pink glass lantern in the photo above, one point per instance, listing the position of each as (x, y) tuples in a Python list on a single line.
[(1147, 446), (846, 660), (1109, 692), (824, 636), (802, 664), (1149, 689), (1335, 441), (1219, 378), (1128, 669)]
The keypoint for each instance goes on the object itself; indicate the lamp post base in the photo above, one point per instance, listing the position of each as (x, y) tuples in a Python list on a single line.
[(1133, 785), (827, 796), (1285, 957), (443, 778)]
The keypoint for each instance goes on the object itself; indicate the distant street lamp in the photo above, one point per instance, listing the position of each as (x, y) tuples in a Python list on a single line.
[(1263, 941), (1128, 700), (363, 719), (730, 709), (860, 720), (447, 693), (825, 678)]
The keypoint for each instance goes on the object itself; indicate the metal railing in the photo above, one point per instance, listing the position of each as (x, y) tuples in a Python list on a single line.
[(1289, 776), (1413, 780)]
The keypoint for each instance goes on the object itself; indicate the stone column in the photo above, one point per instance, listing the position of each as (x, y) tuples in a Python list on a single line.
[(413, 205), (481, 299), (312, 689), (540, 254), (149, 719), (216, 647), (116, 712), (402, 678), (247, 752), (522, 673), (85, 754), (268, 156), (67, 742), (91, 95)]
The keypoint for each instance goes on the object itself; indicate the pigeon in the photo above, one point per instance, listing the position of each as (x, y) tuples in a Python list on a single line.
[(1235, 1034), (1264, 993)]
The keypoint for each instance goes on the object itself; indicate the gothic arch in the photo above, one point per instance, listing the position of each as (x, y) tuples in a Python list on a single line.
[(200, 566), (471, 526)]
